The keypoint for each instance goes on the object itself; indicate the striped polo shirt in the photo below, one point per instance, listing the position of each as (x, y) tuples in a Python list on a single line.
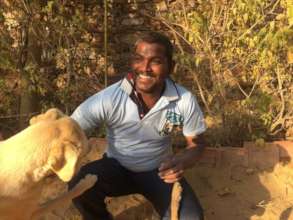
[(141, 140)]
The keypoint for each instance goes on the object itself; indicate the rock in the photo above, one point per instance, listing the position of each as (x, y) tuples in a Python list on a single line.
[(225, 192)]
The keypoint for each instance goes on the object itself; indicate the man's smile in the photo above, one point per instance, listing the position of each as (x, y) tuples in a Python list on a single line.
[(144, 76)]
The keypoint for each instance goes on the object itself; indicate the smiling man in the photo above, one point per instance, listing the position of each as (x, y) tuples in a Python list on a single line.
[(140, 113)]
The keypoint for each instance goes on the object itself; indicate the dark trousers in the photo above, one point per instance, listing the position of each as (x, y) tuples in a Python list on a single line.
[(115, 180)]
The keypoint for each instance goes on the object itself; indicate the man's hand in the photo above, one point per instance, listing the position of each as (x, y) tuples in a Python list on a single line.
[(171, 169)]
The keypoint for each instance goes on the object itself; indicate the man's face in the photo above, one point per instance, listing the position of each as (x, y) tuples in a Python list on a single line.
[(151, 67)]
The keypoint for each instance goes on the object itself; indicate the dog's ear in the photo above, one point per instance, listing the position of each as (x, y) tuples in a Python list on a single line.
[(63, 160), (50, 115)]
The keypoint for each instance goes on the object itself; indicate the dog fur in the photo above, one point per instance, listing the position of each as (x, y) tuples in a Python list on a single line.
[(51, 146)]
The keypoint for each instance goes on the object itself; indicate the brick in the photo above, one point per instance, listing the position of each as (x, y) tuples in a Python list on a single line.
[(209, 157), (262, 157), (234, 156)]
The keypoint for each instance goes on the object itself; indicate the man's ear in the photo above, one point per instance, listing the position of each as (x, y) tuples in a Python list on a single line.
[(171, 67), (63, 160)]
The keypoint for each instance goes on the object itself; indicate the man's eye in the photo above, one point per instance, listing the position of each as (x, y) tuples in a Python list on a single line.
[(156, 61), (136, 59)]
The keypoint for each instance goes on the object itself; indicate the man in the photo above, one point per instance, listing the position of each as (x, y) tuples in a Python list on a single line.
[(140, 112)]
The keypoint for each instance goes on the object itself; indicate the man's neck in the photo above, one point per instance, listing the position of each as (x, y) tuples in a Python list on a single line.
[(150, 99)]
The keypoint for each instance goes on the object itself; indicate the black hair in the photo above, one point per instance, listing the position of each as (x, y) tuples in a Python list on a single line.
[(157, 38)]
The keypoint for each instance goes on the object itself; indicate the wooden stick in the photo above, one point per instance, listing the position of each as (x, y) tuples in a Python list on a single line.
[(175, 200)]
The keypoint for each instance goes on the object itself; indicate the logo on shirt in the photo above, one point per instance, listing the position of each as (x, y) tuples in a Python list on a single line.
[(174, 123)]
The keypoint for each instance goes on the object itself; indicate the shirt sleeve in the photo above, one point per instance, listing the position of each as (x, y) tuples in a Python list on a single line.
[(92, 112), (193, 118)]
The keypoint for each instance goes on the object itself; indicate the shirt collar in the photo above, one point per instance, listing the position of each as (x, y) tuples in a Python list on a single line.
[(171, 91)]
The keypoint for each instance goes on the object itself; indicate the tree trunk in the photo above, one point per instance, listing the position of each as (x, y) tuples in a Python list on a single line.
[(28, 97), (28, 101)]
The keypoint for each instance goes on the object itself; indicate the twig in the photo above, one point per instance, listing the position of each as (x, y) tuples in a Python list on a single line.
[(185, 16), (258, 21), (106, 40), (28, 11), (201, 92), (163, 21), (280, 119), (19, 115), (254, 85)]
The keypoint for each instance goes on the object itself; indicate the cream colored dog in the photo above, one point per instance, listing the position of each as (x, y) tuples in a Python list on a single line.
[(51, 146)]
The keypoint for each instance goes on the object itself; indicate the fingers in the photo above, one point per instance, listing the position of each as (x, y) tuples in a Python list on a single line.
[(171, 176), (167, 163), (165, 166), (171, 169)]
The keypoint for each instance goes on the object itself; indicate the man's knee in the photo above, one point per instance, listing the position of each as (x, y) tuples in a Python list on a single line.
[(91, 168), (190, 207), (195, 213), (80, 175)]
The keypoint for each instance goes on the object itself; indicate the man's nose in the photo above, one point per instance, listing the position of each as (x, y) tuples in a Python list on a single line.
[(146, 67)]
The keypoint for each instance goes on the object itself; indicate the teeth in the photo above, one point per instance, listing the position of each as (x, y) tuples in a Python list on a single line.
[(144, 76)]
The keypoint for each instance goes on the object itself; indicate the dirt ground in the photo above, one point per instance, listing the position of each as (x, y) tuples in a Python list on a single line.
[(229, 190)]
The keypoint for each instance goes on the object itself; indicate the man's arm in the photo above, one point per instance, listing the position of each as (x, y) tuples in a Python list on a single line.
[(172, 168)]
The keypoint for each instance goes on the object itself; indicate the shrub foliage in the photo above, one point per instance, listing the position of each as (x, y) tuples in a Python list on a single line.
[(235, 55)]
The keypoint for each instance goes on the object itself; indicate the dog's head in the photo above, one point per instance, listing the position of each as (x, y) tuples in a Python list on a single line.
[(67, 145), (68, 150)]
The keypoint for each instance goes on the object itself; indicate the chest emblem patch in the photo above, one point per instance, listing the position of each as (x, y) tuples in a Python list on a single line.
[(174, 123)]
